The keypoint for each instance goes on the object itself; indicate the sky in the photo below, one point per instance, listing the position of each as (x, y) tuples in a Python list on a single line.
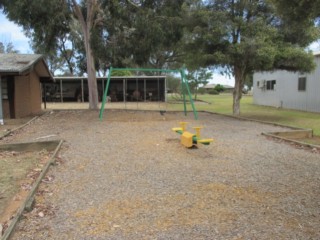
[(10, 32)]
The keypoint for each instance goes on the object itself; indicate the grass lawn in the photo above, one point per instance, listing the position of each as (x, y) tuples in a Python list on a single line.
[(223, 104)]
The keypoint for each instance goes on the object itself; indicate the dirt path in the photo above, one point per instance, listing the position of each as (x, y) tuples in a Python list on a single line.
[(128, 177)]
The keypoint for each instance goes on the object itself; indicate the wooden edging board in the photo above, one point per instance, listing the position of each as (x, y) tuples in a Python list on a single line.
[(34, 146), (273, 135), (17, 128), (279, 135)]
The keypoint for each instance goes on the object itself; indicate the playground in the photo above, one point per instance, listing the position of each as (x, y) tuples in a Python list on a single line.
[(127, 176)]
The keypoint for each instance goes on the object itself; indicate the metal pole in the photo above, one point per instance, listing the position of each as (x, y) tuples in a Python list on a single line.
[(190, 96), (145, 90), (125, 87), (82, 91), (183, 92), (165, 90), (105, 94), (1, 110), (158, 92), (137, 88), (61, 91)]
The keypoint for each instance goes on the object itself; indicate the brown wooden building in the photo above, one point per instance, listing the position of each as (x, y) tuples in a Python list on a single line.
[(21, 76)]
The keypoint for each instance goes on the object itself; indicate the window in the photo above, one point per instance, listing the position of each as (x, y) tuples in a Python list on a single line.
[(4, 88), (302, 83), (270, 84)]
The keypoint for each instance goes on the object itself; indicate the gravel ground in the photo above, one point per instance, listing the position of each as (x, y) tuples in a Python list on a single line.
[(128, 177)]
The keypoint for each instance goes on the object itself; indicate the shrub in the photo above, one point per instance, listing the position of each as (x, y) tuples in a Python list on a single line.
[(219, 88), (213, 92), (201, 90)]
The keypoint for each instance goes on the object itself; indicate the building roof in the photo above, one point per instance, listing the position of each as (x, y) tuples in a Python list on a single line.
[(20, 64), (228, 86), (316, 53), (209, 86), (74, 78)]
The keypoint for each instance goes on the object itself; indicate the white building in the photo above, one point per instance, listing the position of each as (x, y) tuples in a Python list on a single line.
[(288, 89)]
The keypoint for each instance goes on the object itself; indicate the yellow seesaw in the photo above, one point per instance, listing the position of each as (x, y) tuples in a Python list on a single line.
[(189, 139)]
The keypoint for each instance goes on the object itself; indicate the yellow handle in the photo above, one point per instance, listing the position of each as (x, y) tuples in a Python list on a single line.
[(183, 125), (198, 129)]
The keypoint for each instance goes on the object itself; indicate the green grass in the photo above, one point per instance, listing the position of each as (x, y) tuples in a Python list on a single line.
[(223, 104)]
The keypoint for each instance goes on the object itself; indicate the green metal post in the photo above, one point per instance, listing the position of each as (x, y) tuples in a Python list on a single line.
[(195, 113), (183, 92), (105, 94)]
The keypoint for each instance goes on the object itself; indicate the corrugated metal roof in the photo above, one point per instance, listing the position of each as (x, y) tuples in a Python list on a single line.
[(316, 53), (112, 77), (210, 86), (17, 63)]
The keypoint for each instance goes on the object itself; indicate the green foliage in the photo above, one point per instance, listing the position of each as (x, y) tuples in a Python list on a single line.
[(147, 35), (219, 88), (249, 81), (173, 84), (41, 20), (121, 73), (213, 92), (244, 36), (201, 90), (157, 43), (298, 18), (197, 78)]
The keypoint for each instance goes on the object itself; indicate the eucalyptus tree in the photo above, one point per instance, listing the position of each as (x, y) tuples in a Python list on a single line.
[(140, 33), (197, 78), (298, 10), (46, 21), (243, 36), (158, 43)]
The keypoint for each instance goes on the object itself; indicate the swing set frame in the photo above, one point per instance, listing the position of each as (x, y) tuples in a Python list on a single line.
[(184, 86)]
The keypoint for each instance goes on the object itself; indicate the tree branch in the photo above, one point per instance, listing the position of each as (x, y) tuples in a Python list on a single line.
[(133, 3), (77, 12)]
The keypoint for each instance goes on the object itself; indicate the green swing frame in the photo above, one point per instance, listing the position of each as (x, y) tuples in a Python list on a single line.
[(185, 86)]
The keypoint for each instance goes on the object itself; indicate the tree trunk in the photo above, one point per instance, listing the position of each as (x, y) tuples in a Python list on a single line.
[(239, 77), (86, 26), (91, 71)]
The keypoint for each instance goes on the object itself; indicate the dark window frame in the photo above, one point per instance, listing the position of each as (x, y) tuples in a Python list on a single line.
[(302, 84), (4, 88), (270, 85)]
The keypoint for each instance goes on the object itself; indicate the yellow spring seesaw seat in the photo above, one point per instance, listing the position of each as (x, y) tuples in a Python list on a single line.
[(189, 139)]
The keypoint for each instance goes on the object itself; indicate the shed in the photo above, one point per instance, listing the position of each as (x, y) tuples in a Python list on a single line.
[(21, 76), (291, 90), (121, 89)]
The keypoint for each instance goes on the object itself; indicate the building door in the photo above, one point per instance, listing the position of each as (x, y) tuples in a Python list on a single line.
[(10, 86)]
